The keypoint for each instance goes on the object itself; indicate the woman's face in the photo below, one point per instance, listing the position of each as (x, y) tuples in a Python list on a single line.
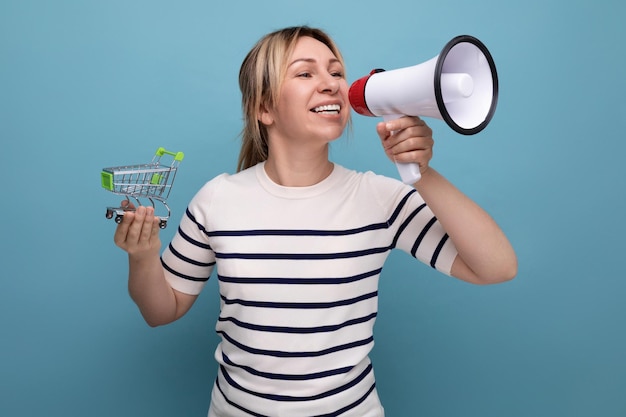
[(313, 101)]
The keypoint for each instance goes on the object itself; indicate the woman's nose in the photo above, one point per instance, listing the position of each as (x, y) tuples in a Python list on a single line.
[(329, 84)]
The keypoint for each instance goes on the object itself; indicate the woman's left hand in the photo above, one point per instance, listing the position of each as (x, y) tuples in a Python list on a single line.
[(407, 140)]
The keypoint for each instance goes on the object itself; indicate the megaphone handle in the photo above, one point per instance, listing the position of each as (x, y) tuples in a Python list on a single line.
[(409, 172)]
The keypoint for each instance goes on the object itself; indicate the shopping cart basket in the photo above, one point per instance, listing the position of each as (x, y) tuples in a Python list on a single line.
[(151, 181)]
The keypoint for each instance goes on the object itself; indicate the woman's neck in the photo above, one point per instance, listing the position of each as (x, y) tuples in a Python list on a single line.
[(298, 170)]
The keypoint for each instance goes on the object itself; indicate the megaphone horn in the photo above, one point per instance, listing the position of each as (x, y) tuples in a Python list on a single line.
[(459, 86)]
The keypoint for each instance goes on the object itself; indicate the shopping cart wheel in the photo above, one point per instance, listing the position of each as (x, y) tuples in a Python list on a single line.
[(163, 224), (109, 214), (119, 218)]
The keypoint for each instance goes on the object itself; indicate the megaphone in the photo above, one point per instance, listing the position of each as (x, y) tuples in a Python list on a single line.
[(459, 86)]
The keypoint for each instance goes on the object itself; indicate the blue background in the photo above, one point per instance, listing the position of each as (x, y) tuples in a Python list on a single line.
[(90, 84)]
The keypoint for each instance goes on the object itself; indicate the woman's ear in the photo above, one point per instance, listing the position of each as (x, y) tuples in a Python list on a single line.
[(265, 116)]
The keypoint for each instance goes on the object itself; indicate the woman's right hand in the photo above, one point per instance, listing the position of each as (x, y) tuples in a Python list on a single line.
[(138, 233)]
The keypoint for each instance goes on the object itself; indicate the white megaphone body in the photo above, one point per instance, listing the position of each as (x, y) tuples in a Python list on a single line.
[(459, 86)]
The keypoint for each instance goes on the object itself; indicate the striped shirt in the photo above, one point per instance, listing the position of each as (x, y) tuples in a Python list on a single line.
[(298, 271)]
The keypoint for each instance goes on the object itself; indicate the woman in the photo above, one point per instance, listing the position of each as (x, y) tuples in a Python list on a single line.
[(299, 242)]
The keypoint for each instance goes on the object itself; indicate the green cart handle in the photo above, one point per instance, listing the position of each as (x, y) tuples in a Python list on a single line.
[(178, 156)]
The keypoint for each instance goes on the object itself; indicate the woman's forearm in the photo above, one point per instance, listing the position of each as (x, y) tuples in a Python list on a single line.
[(485, 254), (150, 291)]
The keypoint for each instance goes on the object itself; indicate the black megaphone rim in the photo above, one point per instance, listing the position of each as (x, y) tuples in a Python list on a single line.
[(439, 97)]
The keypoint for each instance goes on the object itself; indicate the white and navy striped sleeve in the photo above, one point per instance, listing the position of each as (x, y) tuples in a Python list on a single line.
[(189, 260), (417, 230)]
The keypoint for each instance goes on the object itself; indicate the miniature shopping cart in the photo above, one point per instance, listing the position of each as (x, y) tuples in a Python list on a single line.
[(151, 181)]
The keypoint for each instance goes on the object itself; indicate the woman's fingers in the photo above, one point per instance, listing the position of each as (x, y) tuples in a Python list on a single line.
[(138, 231)]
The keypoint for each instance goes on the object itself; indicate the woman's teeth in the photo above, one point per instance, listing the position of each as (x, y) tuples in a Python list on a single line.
[(329, 109)]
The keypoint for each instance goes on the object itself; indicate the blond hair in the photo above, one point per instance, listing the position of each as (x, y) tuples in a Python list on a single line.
[(260, 78)]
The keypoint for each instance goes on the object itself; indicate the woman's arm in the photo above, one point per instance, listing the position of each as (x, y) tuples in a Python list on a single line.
[(138, 235), (485, 255)]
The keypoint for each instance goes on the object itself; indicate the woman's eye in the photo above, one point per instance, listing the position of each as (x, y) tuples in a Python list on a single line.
[(304, 75), (337, 74)]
